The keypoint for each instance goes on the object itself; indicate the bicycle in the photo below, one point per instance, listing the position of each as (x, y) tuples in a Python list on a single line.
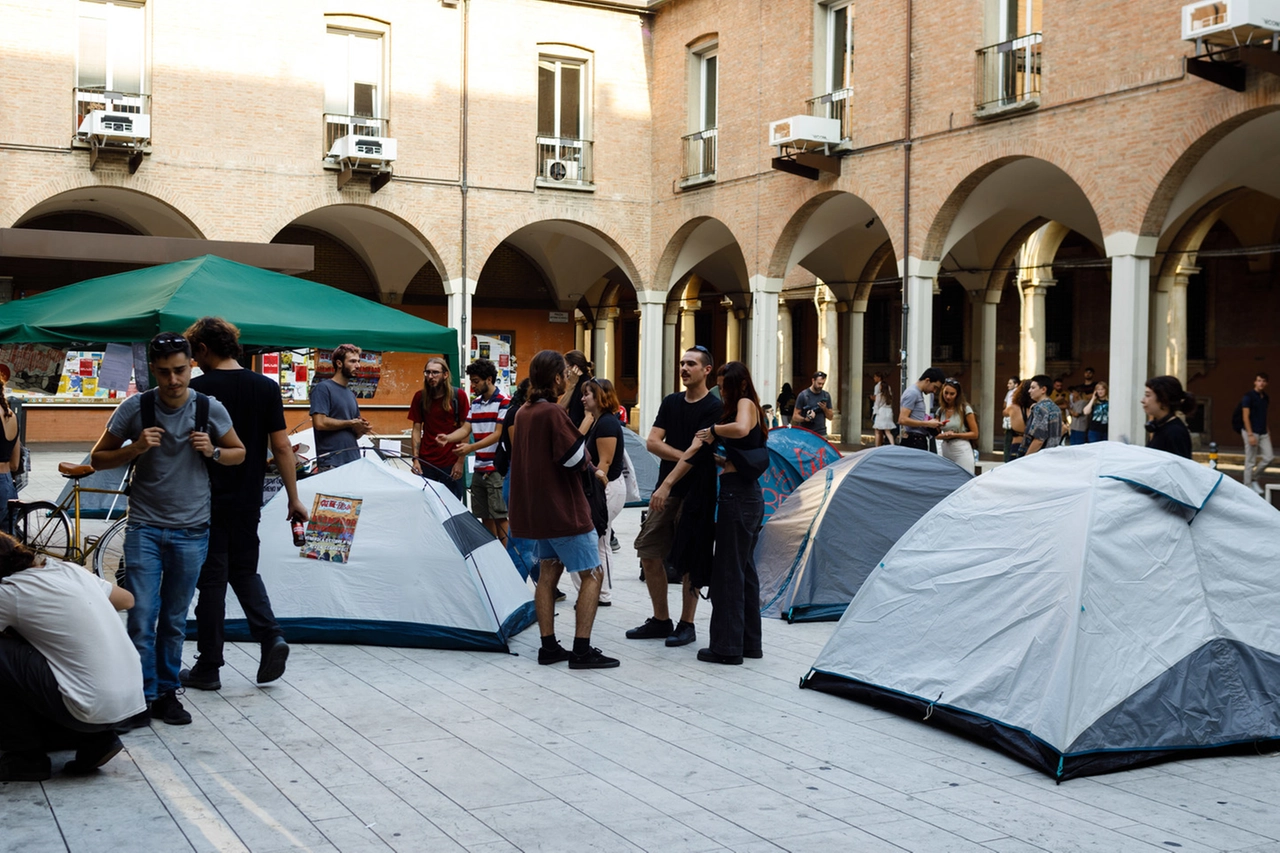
[(46, 527)]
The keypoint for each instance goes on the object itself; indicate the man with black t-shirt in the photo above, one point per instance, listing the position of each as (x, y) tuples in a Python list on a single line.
[(680, 417), (257, 414)]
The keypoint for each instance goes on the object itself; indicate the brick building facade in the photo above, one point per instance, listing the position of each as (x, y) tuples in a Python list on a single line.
[(1058, 190)]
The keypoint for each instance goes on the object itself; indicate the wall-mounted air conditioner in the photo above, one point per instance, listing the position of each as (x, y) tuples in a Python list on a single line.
[(371, 150), (1231, 22), (805, 132), (559, 170), (119, 127)]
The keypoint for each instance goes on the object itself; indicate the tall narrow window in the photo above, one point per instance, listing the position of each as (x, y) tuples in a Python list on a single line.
[(839, 47), (353, 81), (564, 151), (708, 71), (112, 53)]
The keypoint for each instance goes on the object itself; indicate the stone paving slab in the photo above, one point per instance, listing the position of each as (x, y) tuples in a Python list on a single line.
[(362, 748)]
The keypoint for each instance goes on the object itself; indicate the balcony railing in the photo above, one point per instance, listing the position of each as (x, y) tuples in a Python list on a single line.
[(1008, 73), (699, 156), (338, 126), (837, 105), (564, 161), (89, 98)]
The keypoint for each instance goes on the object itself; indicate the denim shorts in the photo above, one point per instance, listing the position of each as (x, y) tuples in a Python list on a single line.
[(578, 553)]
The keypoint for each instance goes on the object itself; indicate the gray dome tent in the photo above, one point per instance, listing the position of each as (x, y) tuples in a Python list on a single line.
[(1085, 609), (829, 533)]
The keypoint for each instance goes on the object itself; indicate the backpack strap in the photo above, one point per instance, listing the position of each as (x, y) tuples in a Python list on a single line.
[(202, 412), (147, 408), (457, 408)]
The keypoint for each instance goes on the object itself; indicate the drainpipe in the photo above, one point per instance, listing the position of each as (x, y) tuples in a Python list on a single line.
[(906, 215), (462, 183)]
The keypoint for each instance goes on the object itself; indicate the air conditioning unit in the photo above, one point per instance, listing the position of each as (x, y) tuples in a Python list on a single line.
[(363, 149), (559, 170), (805, 132), (1231, 22), (112, 126)]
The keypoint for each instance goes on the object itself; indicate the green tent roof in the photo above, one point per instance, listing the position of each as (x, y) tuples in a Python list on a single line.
[(273, 311)]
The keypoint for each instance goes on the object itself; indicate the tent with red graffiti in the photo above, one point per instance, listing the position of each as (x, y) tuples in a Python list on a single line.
[(829, 535), (795, 454)]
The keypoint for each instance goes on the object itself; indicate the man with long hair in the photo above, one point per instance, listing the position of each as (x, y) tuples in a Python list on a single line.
[(679, 419), (67, 668), (257, 413), (548, 504), (438, 408), (335, 413)]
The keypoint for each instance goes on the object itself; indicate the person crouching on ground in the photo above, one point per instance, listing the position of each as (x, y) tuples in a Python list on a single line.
[(68, 670), (549, 505)]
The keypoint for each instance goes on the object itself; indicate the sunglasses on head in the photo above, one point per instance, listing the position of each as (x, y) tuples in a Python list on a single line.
[(953, 383), (168, 343), (700, 348)]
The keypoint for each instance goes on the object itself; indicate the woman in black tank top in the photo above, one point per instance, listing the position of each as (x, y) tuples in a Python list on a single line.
[(735, 585), (10, 455)]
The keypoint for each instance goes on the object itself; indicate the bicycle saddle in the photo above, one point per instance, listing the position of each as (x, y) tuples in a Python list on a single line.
[(74, 472)]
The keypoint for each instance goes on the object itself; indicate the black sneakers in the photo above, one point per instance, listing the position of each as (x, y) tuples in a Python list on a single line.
[(274, 653), (96, 751), (715, 657), (167, 709), (683, 635), (140, 720), (200, 677), (591, 659), (652, 629), (556, 654), (25, 766)]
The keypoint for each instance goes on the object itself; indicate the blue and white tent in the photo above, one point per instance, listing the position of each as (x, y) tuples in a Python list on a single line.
[(1084, 609), (397, 561), (829, 533)]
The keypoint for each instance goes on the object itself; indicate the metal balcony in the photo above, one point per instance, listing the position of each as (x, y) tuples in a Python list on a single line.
[(564, 162), (699, 157), (837, 105), (1008, 75)]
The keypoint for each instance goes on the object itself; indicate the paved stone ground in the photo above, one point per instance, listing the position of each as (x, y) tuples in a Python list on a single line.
[(361, 748)]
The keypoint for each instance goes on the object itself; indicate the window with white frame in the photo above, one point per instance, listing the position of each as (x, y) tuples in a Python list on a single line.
[(564, 120), (112, 46), (708, 62), (839, 64), (703, 110), (354, 91)]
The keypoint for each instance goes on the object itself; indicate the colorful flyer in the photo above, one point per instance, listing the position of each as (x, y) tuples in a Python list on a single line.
[(32, 367), (332, 528)]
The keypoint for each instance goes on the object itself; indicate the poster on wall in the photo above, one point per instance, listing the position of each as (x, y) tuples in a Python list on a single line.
[(331, 528), (289, 369), (498, 347), (364, 384), (32, 367)]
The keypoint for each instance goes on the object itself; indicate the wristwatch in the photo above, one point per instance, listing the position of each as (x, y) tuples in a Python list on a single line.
[(217, 454)]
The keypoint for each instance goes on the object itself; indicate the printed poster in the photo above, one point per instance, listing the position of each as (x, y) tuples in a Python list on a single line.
[(32, 367), (332, 528)]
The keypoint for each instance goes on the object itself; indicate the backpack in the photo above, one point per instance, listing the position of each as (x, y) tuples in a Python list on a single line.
[(1237, 417), (147, 411)]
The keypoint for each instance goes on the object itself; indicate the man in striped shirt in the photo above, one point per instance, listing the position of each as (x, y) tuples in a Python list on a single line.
[(484, 427)]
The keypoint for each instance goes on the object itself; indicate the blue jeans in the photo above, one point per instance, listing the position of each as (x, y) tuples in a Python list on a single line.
[(520, 550), (1097, 435), (162, 567)]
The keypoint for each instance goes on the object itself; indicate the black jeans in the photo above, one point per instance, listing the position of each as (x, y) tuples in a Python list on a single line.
[(232, 559), (32, 713), (735, 586)]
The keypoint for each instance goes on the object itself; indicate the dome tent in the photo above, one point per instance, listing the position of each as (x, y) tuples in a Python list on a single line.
[(1085, 609), (831, 532), (795, 454), (397, 561)]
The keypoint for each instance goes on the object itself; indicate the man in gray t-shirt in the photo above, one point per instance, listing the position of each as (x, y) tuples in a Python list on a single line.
[(918, 428), (335, 414), (168, 530), (813, 406)]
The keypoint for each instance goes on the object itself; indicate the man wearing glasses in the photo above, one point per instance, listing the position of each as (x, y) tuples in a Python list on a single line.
[(169, 509)]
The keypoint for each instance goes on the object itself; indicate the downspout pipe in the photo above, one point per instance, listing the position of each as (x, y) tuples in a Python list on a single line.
[(463, 343), (906, 217)]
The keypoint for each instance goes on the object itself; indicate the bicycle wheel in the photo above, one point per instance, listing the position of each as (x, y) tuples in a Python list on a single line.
[(108, 553), (44, 527)]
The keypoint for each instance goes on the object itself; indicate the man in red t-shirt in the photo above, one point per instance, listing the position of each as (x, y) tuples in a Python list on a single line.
[(441, 408)]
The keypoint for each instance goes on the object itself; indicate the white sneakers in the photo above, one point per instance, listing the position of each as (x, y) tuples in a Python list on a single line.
[(1257, 490)]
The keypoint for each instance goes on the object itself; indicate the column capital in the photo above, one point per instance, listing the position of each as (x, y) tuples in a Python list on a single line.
[(609, 314), (691, 305), (1127, 243), (671, 314), (651, 297), (1182, 278)]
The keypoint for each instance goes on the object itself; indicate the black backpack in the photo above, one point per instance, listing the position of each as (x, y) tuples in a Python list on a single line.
[(148, 410), (1237, 417)]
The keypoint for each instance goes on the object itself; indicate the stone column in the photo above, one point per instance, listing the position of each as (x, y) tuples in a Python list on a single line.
[(1032, 358), (783, 345), (1175, 355), (1130, 309), (460, 293), (669, 318), (688, 336), (982, 395), (921, 284), (604, 353), (732, 336), (853, 315), (652, 304), (763, 325), (829, 351)]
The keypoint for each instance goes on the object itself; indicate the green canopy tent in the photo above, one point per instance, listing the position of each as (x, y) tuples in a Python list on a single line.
[(273, 311)]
